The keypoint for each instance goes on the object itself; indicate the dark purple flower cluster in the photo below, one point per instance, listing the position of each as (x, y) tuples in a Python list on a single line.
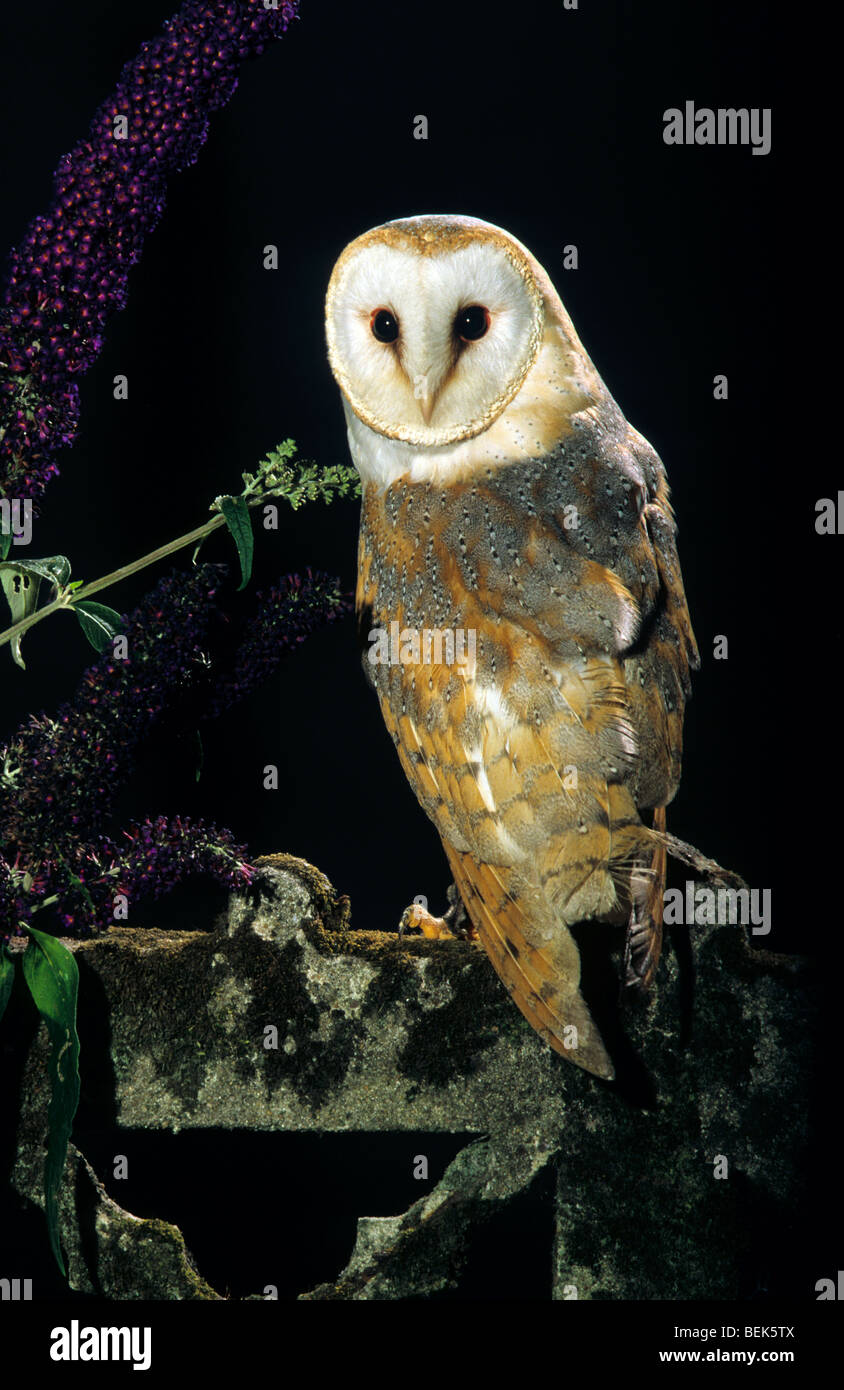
[(152, 857), (70, 272), (287, 614)]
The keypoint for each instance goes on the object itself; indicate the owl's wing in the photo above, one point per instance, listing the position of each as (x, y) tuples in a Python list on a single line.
[(529, 853), (514, 773)]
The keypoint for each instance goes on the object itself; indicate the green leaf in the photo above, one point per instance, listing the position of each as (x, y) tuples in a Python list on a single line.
[(7, 975), (51, 973), (21, 581), (21, 587), (54, 568), (99, 623), (5, 543), (239, 522)]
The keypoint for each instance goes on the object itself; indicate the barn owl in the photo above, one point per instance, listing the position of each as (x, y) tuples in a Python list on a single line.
[(506, 499)]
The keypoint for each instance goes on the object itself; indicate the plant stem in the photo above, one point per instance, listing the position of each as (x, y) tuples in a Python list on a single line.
[(67, 599)]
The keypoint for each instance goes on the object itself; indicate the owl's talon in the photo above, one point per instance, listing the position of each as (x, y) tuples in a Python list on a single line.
[(417, 918), (454, 924)]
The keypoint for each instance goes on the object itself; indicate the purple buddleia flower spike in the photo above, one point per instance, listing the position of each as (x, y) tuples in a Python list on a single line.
[(150, 858), (70, 272), (287, 614)]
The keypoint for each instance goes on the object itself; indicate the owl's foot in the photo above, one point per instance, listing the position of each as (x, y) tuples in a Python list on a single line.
[(455, 923), (418, 918)]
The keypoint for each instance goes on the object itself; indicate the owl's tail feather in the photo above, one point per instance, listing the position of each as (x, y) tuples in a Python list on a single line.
[(644, 928), (511, 918)]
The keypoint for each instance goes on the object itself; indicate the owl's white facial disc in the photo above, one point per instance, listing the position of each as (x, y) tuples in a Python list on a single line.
[(430, 335)]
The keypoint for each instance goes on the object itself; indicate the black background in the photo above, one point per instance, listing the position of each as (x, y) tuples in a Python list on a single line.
[(547, 122)]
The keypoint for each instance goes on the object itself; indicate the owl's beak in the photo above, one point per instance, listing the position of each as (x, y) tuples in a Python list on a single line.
[(427, 401), (427, 383)]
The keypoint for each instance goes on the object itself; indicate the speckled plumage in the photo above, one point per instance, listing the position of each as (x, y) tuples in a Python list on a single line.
[(542, 760)]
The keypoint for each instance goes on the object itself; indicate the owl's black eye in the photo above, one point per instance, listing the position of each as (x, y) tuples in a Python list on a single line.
[(384, 325), (471, 323)]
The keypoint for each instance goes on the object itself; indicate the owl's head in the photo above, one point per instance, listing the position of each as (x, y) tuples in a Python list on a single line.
[(433, 323)]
